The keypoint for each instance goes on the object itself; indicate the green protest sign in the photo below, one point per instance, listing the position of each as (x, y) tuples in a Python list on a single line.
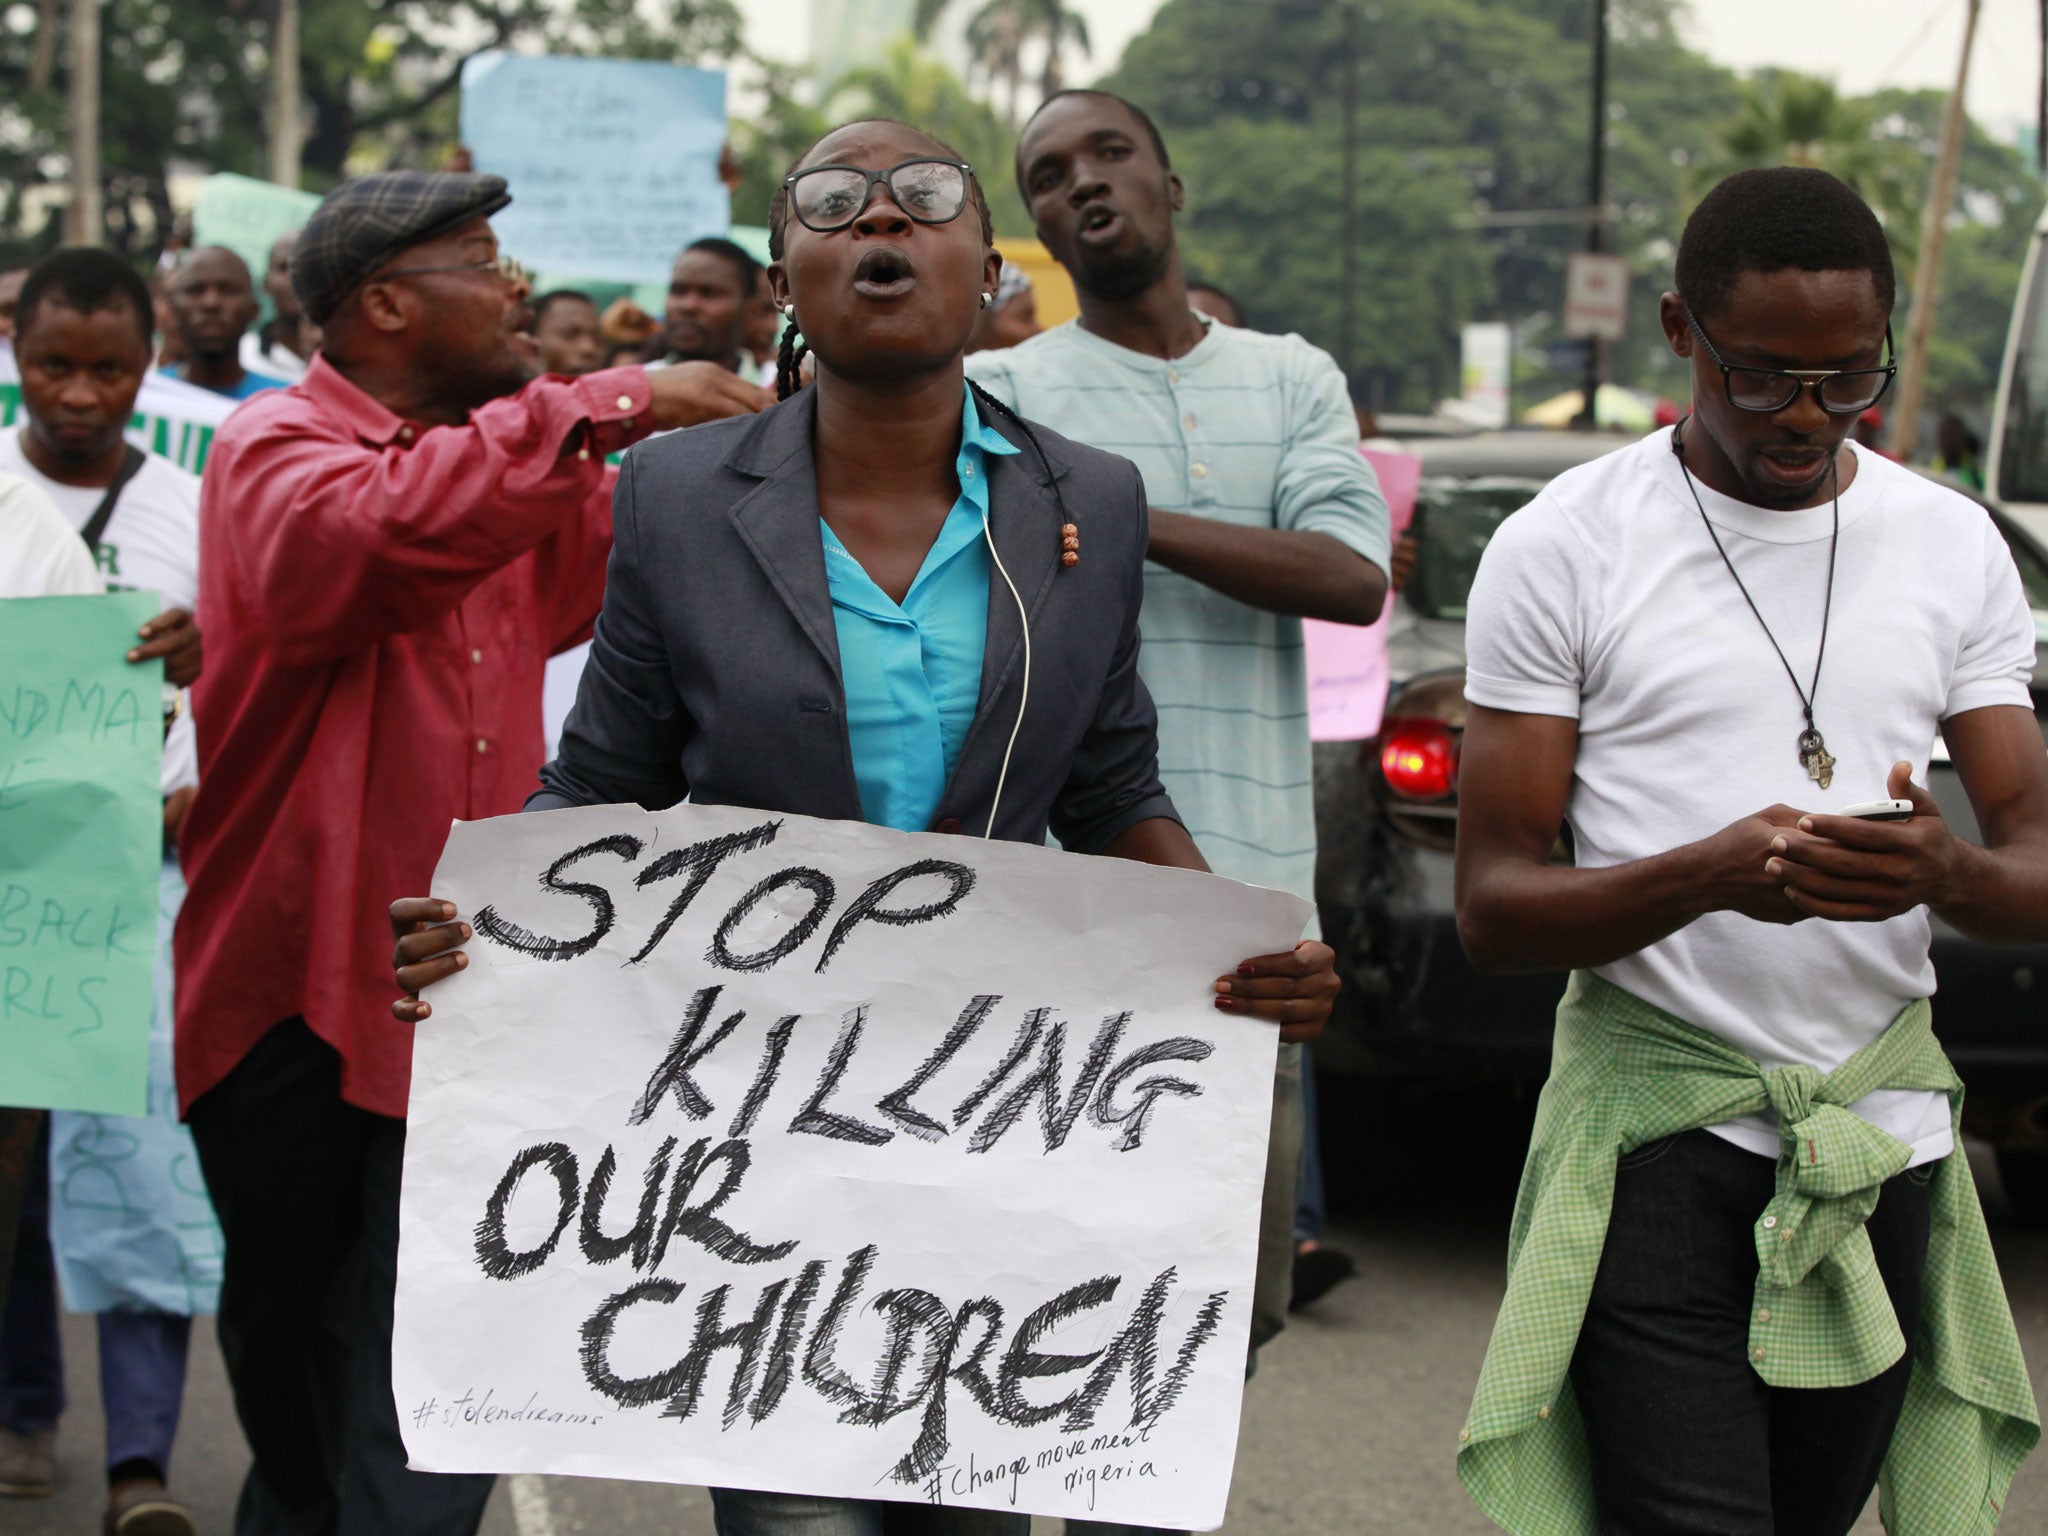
[(247, 216), (81, 843)]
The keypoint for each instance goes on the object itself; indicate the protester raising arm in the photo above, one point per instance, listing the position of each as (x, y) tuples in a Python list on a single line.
[(400, 531)]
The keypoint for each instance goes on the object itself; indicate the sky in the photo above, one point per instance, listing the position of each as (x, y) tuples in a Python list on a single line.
[(1861, 44)]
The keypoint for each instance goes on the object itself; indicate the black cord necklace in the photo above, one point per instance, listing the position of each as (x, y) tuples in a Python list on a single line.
[(1813, 749)]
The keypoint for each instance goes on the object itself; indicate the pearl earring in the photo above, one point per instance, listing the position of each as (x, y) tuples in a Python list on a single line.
[(789, 310)]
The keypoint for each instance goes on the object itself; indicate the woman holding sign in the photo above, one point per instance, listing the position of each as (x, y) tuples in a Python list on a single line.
[(888, 600)]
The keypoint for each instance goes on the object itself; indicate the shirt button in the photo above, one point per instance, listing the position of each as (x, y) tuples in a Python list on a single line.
[(1763, 1314), (405, 434), (1758, 1353), (966, 469), (1464, 1435), (1770, 1222), (1173, 375), (625, 402), (477, 657), (1188, 421), (1785, 1236), (1199, 471), (482, 745), (583, 454), (1543, 1412), (947, 825)]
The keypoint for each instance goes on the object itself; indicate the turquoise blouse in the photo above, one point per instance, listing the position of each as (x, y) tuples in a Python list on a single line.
[(912, 671)]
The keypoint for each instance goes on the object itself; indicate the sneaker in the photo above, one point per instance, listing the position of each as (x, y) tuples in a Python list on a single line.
[(143, 1507), (28, 1464)]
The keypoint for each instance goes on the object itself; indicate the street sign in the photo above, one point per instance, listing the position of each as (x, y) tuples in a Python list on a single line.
[(1487, 348), (1595, 296)]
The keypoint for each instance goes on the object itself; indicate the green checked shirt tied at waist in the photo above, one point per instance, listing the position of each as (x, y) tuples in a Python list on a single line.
[(1624, 1074)]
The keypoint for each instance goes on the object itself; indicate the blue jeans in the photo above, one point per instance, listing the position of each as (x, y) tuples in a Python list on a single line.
[(142, 1354), (746, 1512), (1311, 1207)]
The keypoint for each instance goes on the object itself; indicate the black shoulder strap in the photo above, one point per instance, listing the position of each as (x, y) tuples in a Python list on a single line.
[(131, 463)]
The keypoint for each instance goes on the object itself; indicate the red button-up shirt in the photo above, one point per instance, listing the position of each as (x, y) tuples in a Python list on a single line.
[(379, 599)]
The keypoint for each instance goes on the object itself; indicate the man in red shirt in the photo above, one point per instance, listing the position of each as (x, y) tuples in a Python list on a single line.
[(393, 549)]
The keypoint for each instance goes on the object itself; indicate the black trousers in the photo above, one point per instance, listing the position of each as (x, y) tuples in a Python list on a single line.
[(1686, 1438), (306, 1188)]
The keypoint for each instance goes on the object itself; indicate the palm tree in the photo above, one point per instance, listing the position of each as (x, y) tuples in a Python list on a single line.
[(998, 35), (1794, 119), (911, 86)]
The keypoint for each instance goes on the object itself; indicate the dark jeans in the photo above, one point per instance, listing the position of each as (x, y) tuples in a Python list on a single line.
[(306, 1188), (1686, 1438), (142, 1354), (1311, 1205)]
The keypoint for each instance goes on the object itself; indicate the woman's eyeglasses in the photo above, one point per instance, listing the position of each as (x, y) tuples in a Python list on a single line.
[(1841, 391), (829, 197)]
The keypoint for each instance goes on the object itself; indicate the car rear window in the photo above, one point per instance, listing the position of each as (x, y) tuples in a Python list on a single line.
[(2033, 569), (1457, 517)]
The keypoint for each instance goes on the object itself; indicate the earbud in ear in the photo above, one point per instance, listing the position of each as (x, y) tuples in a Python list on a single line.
[(987, 299), (789, 310)]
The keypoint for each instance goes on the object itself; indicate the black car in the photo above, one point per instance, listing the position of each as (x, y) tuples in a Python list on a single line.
[(1413, 1007)]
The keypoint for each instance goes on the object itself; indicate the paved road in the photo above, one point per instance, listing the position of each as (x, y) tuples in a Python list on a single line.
[(1349, 1428)]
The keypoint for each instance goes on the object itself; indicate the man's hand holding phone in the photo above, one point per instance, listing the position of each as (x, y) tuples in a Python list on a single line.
[(1865, 868)]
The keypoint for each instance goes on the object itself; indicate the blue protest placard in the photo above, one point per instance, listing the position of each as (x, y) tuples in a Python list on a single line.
[(612, 163)]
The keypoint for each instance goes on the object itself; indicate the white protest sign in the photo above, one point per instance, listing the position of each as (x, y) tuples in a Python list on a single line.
[(756, 1151)]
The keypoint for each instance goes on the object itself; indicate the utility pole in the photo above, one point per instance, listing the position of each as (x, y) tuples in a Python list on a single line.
[(85, 221), (1347, 325), (1941, 197), (284, 94), (1596, 204)]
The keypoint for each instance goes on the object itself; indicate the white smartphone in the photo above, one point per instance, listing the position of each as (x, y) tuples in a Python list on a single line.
[(1880, 810)]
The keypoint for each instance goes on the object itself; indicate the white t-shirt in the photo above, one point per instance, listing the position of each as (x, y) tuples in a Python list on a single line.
[(277, 361), (151, 543), (1603, 600), (40, 555)]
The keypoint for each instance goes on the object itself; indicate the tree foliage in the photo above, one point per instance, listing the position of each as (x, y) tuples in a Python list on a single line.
[(1474, 121), (184, 83), (1471, 143), (1001, 32), (908, 85)]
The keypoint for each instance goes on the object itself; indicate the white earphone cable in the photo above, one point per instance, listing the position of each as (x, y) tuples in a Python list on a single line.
[(1024, 622)]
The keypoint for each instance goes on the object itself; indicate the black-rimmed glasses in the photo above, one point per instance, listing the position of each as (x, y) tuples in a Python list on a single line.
[(509, 268), (1840, 391), (829, 197)]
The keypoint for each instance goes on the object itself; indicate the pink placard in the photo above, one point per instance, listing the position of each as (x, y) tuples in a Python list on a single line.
[(1347, 663)]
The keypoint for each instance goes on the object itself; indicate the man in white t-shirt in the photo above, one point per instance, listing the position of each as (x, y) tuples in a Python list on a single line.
[(84, 333), (1744, 612), (40, 556)]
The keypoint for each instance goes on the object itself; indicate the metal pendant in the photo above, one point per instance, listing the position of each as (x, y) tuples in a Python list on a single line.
[(1813, 754)]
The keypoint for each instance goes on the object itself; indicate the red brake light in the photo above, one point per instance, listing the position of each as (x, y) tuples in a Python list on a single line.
[(1419, 758)]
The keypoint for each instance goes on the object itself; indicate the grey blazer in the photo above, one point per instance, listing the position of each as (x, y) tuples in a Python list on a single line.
[(714, 672)]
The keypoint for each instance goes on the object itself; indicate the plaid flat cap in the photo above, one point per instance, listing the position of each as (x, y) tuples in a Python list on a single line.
[(363, 223)]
